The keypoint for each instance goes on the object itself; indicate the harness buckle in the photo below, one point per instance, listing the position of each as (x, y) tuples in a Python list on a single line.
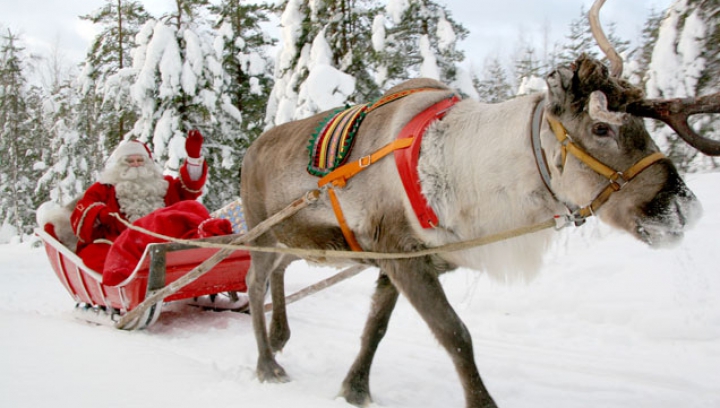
[(563, 221), (365, 161), (619, 181)]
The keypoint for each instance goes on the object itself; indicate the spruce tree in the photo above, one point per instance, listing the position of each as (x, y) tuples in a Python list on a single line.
[(107, 114), (648, 38), (327, 58), (17, 177), (527, 65), (245, 79), (180, 84), (422, 31), (248, 66), (494, 86), (686, 63), (579, 40), (70, 158)]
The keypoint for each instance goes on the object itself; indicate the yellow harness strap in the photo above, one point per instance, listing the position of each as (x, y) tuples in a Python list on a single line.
[(617, 179)]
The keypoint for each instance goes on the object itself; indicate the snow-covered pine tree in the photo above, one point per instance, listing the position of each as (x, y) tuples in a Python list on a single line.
[(685, 63), (421, 41), (528, 71), (580, 40), (17, 177), (326, 58), (289, 71), (494, 86), (42, 140), (180, 84), (642, 55), (106, 113), (348, 32), (243, 47), (68, 172)]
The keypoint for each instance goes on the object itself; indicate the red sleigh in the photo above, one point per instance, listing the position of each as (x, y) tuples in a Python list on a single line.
[(161, 265)]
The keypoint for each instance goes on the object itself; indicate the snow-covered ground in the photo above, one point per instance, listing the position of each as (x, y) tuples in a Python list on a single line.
[(608, 323)]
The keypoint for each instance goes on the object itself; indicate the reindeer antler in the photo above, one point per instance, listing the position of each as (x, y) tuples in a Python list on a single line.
[(674, 112), (616, 63)]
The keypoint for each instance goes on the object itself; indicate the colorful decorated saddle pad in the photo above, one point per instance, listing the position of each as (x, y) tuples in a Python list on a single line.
[(331, 144), (333, 139)]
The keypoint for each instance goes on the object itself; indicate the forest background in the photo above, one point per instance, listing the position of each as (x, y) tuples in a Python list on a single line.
[(217, 67)]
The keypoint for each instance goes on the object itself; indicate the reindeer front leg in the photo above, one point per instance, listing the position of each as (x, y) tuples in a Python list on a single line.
[(418, 281)]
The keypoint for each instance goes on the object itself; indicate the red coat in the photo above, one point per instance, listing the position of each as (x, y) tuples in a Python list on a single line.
[(99, 196)]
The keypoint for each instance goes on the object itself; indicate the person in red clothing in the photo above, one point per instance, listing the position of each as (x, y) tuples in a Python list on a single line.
[(133, 187)]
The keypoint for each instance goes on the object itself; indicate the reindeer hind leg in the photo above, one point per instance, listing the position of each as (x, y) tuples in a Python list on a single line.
[(356, 386), (261, 268), (279, 326)]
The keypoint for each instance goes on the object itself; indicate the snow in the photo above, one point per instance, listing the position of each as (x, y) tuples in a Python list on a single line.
[(445, 33), (396, 8), (429, 67), (464, 84), (291, 23), (608, 323), (531, 84), (676, 61), (378, 33)]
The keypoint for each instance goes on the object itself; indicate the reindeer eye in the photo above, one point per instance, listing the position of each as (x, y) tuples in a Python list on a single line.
[(601, 129)]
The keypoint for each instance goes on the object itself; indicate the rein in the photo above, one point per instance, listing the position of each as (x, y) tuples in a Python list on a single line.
[(556, 222), (617, 179)]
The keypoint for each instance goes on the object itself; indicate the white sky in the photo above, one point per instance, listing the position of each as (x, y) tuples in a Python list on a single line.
[(495, 26)]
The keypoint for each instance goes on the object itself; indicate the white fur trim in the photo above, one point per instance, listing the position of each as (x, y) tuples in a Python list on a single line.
[(128, 148), (195, 161), (195, 168), (59, 217), (82, 218)]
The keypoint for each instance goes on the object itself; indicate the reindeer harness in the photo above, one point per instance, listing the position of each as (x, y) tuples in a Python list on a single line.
[(617, 180), (406, 148)]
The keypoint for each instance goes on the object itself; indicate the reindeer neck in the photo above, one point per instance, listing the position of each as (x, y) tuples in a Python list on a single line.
[(478, 161)]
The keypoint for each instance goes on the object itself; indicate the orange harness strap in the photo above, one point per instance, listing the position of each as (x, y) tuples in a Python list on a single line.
[(339, 177)]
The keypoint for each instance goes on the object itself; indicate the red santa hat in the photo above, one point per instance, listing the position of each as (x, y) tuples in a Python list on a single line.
[(130, 148)]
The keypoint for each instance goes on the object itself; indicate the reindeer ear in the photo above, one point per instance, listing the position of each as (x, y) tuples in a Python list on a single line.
[(559, 83), (598, 110)]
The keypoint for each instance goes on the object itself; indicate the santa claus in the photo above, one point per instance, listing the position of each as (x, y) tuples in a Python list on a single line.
[(133, 187)]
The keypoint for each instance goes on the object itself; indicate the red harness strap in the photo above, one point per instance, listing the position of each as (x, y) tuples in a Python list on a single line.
[(406, 161)]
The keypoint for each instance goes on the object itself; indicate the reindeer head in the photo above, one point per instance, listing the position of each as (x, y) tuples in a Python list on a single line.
[(598, 116), (602, 158)]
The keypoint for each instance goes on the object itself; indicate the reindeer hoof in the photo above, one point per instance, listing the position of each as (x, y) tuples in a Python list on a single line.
[(271, 372), (358, 396)]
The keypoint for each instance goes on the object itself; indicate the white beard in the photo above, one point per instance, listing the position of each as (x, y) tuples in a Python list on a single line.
[(139, 190)]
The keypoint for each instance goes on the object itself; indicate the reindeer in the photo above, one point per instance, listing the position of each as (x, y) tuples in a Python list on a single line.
[(579, 149)]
